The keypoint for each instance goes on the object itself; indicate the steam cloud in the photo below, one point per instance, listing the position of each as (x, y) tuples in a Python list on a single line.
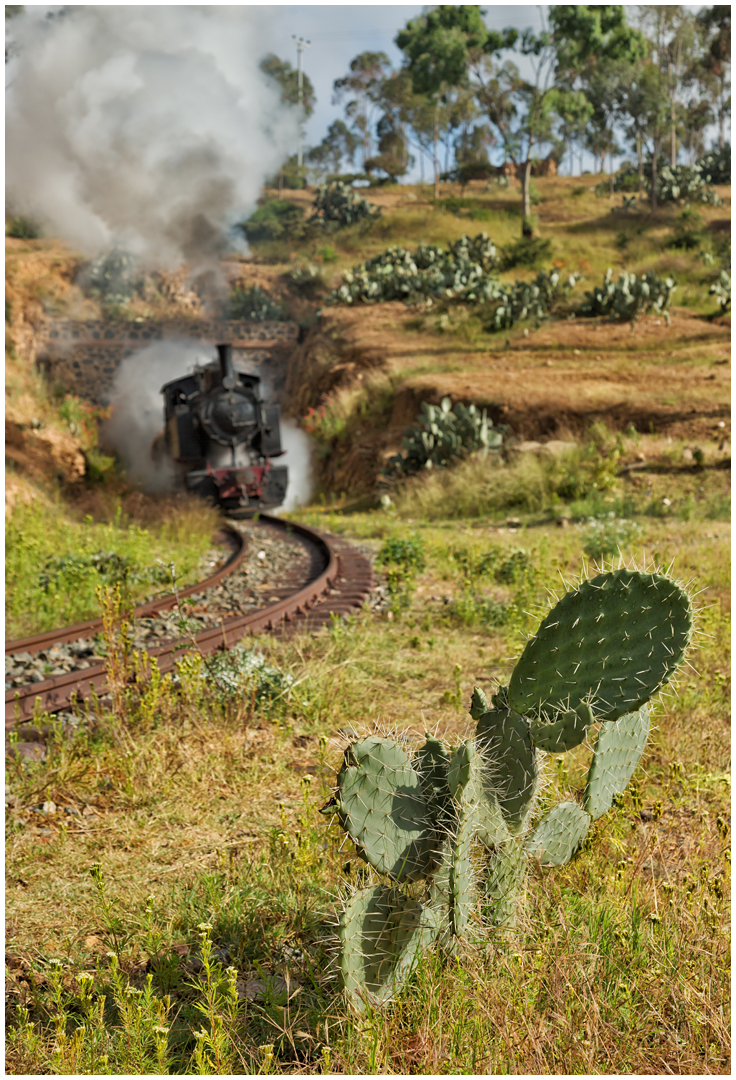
[(148, 128), (136, 419)]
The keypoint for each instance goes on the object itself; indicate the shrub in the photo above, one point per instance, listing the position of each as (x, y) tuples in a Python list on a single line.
[(629, 297), (477, 487), (108, 567), (111, 278), (244, 674), (276, 219), (403, 559), (464, 272), (337, 205), (687, 234), (607, 536), (23, 228), (256, 304), (592, 467), (472, 609), (535, 299), (306, 278), (715, 166), (721, 289), (627, 178), (525, 252), (441, 435)]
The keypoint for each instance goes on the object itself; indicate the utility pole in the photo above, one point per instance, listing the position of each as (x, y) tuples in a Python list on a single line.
[(301, 45)]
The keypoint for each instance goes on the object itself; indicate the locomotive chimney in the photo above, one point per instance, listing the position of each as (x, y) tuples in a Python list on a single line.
[(229, 378)]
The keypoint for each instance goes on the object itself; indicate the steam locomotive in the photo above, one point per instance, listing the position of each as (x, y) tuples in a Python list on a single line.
[(219, 429)]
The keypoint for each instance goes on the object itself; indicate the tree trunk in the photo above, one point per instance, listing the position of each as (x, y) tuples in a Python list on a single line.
[(640, 160), (610, 175), (654, 177), (673, 137), (436, 159), (525, 173)]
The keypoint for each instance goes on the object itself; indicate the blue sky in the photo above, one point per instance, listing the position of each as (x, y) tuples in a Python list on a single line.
[(340, 32)]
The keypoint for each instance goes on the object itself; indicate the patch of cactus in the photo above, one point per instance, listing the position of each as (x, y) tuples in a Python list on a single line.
[(442, 434), (451, 827), (630, 297)]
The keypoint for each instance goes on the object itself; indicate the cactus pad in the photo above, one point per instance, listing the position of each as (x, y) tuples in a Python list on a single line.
[(616, 756), (460, 768), (504, 883), (430, 762), (479, 703), (564, 733), (505, 741), (383, 809), (559, 835), (462, 877), (612, 643), (383, 934)]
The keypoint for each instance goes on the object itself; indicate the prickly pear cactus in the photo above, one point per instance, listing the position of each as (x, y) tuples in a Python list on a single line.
[(383, 809), (611, 644), (617, 753), (455, 822), (504, 882), (504, 738), (559, 835), (383, 933)]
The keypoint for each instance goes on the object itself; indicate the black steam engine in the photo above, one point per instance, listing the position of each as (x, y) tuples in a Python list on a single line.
[(225, 437)]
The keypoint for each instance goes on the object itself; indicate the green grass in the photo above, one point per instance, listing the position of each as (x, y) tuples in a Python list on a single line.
[(205, 832), (54, 562), (585, 233)]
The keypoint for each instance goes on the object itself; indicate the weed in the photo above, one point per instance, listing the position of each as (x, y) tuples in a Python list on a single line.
[(256, 304), (403, 559), (609, 536), (23, 228), (525, 252), (74, 557)]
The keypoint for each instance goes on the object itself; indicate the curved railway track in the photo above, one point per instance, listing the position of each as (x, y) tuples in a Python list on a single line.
[(336, 581)]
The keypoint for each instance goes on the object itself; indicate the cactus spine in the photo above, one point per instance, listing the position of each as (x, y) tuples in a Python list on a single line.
[(434, 817)]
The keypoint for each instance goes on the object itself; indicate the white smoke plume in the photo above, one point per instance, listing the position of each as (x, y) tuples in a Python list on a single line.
[(137, 419), (137, 409), (147, 128)]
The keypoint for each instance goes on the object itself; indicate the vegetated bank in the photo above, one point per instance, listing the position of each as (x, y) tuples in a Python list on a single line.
[(364, 370)]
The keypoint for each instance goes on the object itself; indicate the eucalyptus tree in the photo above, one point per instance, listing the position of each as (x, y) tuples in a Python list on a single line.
[(339, 144), (673, 35), (715, 61), (437, 47), (360, 89), (287, 78)]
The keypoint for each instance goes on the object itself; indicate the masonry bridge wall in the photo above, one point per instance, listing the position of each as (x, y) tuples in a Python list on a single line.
[(84, 356)]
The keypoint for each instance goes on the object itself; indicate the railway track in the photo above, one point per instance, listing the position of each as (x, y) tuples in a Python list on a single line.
[(334, 579)]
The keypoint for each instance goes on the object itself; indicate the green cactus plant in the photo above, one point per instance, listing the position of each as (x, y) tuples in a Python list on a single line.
[(455, 822), (383, 933)]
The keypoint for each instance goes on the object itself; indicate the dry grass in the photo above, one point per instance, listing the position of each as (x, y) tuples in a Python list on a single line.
[(205, 809)]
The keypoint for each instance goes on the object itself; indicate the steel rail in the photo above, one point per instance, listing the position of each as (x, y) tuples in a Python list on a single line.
[(341, 585)]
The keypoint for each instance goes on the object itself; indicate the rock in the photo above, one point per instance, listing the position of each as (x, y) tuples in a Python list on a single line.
[(271, 986), (30, 751)]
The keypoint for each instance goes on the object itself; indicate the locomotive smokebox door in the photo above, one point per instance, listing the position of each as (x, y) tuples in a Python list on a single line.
[(219, 428)]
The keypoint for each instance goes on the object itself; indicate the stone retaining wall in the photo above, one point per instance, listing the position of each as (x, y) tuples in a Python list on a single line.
[(84, 356)]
